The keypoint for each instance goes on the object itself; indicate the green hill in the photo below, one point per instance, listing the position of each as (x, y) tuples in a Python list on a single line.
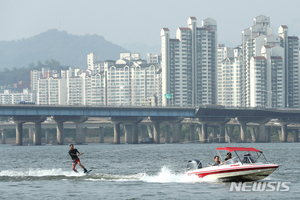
[(69, 50), (9, 77)]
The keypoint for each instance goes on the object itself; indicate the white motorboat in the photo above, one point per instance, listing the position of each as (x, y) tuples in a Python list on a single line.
[(250, 168)]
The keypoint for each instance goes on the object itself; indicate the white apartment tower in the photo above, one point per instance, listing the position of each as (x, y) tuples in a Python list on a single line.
[(92, 59), (251, 44), (291, 54), (132, 83), (267, 77), (34, 77), (52, 91), (87, 89), (267, 57), (229, 81), (189, 64)]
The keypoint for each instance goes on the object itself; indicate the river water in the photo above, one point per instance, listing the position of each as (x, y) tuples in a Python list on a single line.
[(143, 171)]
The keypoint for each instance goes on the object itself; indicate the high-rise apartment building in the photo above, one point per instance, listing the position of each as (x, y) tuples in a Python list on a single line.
[(34, 77), (132, 82), (52, 91), (267, 57), (127, 81), (92, 60), (189, 64), (291, 54), (251, 45), (229, 82), (229, 76)]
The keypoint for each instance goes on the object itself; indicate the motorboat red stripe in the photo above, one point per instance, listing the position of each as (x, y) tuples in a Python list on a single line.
[(228, 170)]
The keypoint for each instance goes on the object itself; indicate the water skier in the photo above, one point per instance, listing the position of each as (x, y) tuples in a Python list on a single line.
[(73, 153)]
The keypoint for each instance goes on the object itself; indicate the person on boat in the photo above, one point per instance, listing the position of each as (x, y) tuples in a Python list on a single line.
[(73, 153), (248, 158), (228, 156), (217, 161)]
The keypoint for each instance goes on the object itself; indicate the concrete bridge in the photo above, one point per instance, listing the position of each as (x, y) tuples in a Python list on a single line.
[(131, 117)]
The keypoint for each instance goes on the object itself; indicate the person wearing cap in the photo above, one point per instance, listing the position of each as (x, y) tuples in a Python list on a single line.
[(75, 160), (228, 156)]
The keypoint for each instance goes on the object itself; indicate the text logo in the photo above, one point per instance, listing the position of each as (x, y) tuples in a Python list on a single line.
[(260, 186)]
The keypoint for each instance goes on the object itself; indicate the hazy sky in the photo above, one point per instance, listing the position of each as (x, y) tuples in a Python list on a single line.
[(140, 21)]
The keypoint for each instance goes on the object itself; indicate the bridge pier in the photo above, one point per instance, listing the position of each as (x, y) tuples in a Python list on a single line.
[(101, 134), (59, 128), (80, 134), (243, 130), (46, 136), (279, 134), (253, 134), (116, 133), (296, 135), (144, 131), (176, 132), (156, 129), (156, 132), (19, 133), (222, 133), (167, 134), (228, 132), (30, 135), (132, 131), (204, 132), (284, 131), (175, 128), (60, 132), (3, 134), (128, 122), (128, 133), (260, 135), (192, 133), (37, 138), (19, 120), (268, 134), (214, 134), (221, 122), (199, 131), (135, 132), (262, 130), (150, 134)]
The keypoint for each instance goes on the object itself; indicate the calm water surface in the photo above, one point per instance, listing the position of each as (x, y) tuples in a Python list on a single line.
[(146, 171)]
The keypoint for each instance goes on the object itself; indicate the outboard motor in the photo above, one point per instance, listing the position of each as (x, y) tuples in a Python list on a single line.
[(194, 164)]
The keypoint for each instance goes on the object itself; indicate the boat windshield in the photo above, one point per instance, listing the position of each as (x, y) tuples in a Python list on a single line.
[(249, 159), (231, 161), (244, 155)]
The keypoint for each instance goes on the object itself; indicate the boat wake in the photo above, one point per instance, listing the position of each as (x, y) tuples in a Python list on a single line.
[(165, 175), (36, 174), (168, 176)]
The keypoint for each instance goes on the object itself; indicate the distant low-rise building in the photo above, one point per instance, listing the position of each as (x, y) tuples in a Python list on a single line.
[(8, 97)]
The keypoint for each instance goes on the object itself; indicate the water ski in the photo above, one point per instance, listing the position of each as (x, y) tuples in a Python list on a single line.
[(88, 171)]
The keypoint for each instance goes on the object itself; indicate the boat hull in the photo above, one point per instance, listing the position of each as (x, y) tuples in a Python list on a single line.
[(236, 172)]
